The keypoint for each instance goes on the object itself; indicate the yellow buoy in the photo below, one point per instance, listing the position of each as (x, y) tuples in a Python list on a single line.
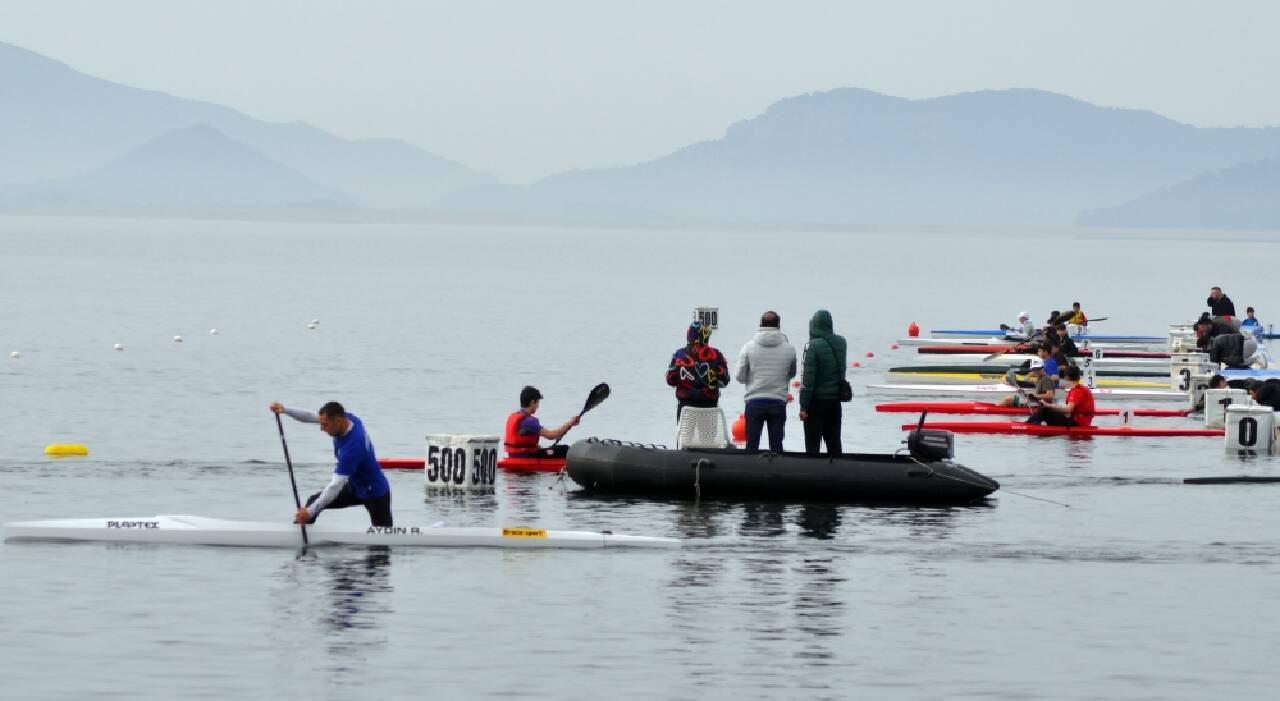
[(61, 449)]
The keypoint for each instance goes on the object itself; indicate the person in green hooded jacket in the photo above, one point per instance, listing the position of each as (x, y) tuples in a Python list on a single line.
[(824, 367)]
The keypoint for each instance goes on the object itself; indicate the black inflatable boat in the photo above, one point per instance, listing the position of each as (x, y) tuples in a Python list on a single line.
[(927, 477)]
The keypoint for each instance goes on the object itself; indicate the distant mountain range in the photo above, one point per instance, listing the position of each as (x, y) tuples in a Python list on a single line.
[(56, 123), (857, 157), (196, 166), (844, 157), (1243, 197)]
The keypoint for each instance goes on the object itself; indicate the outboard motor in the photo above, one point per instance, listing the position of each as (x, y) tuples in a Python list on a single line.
[(929, 444)]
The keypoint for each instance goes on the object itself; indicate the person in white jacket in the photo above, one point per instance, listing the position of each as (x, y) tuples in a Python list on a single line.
[(765, 366)]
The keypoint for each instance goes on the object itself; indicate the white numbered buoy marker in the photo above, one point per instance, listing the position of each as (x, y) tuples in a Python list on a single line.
[(15, 354), (177, 339), (118, 347), (1126, 417), (461, 462), (1250, 430)]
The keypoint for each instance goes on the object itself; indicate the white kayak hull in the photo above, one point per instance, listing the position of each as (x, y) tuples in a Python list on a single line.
[(1005, 359), (970, 378), (999, 391), (199, 530), (1104, 345)]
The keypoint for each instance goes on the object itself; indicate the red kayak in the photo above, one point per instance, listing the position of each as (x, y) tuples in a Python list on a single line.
[(1024, 349), (513, 464), (532, 464), (989, 408), (401, 463), (1013, 427)]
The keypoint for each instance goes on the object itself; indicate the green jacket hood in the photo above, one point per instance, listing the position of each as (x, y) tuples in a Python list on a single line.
[(820, 325)]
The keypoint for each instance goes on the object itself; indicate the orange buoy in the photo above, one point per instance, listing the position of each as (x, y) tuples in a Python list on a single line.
[(739, 429), (913, 329), (870, 354), (893, 346), (856, 364)]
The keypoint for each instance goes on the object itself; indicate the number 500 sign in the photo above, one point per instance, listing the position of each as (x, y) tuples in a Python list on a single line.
[(461, 462)]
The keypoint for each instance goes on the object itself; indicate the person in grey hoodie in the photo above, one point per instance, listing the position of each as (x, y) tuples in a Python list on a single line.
[(765, 365)]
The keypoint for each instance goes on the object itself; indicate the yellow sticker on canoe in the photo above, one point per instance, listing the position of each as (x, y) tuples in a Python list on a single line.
[(524, 533)]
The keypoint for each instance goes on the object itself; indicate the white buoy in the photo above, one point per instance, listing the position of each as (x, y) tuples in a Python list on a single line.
[(177, 339), (213, 332), (15, 354), (118, 347), (315, 321), (311, 326)]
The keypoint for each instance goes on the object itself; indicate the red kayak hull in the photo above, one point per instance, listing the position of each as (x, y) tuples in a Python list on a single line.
[(1023, 349), (532, 464), (401, 463), (989, 408), (513, 464), (1016, 427)]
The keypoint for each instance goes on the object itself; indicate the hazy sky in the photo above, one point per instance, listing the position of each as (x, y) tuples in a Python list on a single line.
[(522, 89)]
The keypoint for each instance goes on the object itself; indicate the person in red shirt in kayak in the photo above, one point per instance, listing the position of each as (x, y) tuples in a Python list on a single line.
[(1078, 411), (523, 430)]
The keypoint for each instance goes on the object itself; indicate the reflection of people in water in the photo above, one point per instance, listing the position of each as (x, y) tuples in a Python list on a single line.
[(355, 585), (818, 521), (763, 519)]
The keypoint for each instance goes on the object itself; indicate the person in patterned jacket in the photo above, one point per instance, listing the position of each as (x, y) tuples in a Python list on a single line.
[(697, 370)]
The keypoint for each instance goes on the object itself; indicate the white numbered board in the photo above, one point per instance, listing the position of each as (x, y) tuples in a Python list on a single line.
[(1182, 370), (1199, 383), (708, 316), (1216, 403), (462, 462), (1250, 430), (1088, 373)]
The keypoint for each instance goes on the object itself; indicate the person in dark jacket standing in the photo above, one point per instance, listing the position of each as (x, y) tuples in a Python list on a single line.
[(1219, 304), (824, 368), (697, 371)]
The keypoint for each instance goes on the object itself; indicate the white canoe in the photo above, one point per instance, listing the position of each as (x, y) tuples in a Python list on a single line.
[(994, 341), (997, 391), (1006, 359), (198, 530), (970, 378)]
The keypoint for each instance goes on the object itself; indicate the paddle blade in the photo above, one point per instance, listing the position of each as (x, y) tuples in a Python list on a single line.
[(598, 394)]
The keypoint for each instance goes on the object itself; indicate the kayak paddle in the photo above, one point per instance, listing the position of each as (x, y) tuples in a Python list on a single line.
[(598, 394), (293, 482), (1016, 348)]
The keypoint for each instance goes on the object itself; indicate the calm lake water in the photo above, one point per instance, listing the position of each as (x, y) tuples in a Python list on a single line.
[(1142, 588)]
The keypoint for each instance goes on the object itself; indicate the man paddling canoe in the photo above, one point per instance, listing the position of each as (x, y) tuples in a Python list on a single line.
[(357, 478), (1078, 411)]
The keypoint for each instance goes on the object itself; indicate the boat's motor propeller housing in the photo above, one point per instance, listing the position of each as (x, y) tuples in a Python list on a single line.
[(929, 444)]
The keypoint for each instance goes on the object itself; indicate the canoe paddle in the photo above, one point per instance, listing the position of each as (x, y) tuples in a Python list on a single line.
[(598, 394), (293, 482)]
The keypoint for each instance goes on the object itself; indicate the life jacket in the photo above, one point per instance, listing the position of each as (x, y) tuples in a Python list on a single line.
[(513, 440)]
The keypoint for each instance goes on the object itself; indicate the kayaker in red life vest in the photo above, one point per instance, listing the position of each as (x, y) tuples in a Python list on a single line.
[(1078, 411), (523, 430)]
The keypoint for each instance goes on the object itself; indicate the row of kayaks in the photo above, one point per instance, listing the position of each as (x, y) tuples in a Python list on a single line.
[(1078, 338)]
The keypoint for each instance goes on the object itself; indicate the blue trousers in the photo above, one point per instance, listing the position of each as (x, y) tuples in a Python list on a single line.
[(761, 412)]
